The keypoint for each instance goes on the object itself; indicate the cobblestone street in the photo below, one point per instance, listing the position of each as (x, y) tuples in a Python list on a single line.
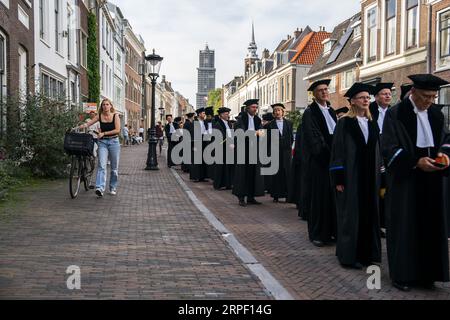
[(149, 242), (153, 241)]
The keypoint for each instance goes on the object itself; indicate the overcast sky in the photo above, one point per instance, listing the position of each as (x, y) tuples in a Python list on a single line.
[(178, 29)]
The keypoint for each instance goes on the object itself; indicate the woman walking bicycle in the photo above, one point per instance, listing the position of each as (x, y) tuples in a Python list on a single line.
[(108, 146)]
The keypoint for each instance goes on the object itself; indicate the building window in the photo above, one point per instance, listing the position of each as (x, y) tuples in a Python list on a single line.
[(391, 21), (282, 89), (57, 27), (43, 23), (3, 87), (444, 38), (372, 34), (103, 30), (52, 87), (83, 49), (348, 79), (69, 34), (444, 95), (332, 86), (411, 23), (288, 88), (103, 75), (73, 92), (22, 71)]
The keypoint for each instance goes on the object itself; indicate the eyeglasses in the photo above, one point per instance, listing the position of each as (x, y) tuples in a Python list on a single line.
[(362, 98)]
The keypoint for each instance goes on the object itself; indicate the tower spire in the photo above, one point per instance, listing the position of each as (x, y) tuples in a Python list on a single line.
[(252, 48)]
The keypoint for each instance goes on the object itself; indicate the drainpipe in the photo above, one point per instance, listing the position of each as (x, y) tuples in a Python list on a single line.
[(430, 25)]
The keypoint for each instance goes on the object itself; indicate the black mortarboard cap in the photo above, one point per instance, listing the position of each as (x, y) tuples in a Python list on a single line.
[(209, 111), (382, 85), (223, 110), (250, 102), (427, 82), (169, 115), (358, 87), (190, 115), (318, 83), (267, 117), (199, 110), (278, 105), (177, 119)]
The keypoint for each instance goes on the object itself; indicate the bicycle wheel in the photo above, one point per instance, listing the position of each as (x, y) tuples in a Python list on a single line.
[(75, 177), (88, 170)]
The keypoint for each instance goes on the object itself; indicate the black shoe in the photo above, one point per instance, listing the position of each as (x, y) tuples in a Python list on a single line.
[(242, 203), (253, 201), (276, 200), (99, 193), (401, 286), (429, 285), (91, 187), (383, 234), (318, 243), (356, 266)]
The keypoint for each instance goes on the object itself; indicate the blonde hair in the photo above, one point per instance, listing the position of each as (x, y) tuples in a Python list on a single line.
[(353, 112), (100, 109)]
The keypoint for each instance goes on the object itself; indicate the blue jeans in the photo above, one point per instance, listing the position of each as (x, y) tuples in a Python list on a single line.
[(107, 147)]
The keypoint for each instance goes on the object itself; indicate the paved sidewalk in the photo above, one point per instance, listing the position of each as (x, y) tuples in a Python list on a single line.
[(279, 240), (149, 242)]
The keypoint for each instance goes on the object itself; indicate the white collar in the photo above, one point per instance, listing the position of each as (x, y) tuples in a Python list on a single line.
[(362, 118), (326, 107), (281, 120)]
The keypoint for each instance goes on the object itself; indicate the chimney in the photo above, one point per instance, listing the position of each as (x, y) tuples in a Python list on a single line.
[(297, 33), (163, 79), (266, 54)]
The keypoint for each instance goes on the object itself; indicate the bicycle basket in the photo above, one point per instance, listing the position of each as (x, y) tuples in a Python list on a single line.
[(79, 144)]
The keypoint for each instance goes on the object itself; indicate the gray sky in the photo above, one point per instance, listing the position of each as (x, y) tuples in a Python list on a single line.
[(178, 29)]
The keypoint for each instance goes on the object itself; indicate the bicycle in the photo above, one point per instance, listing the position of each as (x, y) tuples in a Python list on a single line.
[(80, 146)]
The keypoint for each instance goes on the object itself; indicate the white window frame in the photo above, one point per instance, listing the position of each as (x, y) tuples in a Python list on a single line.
[(344, 79), (405, 25), (384, 29), (58, 42), (43, 21), (439, 65), (83, 49), (366, 35), (23, 16), (332, 86)]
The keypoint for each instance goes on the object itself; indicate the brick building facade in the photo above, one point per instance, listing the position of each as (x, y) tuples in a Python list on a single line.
[(16, 54)]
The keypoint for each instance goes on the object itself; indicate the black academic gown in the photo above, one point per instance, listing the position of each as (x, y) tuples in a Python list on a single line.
[(357, 166), (248, 181), (416, 226), (210, 167), (198, 172), (294, 191), (171, 143), (375, 116), (187, 126), (279, 183), (267, 179), (223, 173), (317, 142)]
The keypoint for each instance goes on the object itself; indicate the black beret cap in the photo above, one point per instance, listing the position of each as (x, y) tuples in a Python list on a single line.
[(318, 83), (427, 82), (381, 86), (357, 88)]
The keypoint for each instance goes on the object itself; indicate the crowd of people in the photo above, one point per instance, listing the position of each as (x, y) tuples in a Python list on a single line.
[(356, 174)]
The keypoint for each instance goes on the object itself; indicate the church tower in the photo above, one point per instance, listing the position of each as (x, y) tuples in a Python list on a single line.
[(252, 55)]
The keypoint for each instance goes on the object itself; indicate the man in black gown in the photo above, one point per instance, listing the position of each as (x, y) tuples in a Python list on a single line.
[(223, 173), (319, 122), (414, 136), (248, 181)]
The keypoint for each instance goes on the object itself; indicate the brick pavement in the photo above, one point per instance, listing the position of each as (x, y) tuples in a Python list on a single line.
[(278, 239), (149, 242)]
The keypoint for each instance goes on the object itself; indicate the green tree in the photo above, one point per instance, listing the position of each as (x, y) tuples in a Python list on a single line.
[(295, 117), (215, 99), (93, 60)]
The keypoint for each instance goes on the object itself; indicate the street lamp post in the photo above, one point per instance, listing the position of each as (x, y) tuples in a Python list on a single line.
[(154, 64)]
